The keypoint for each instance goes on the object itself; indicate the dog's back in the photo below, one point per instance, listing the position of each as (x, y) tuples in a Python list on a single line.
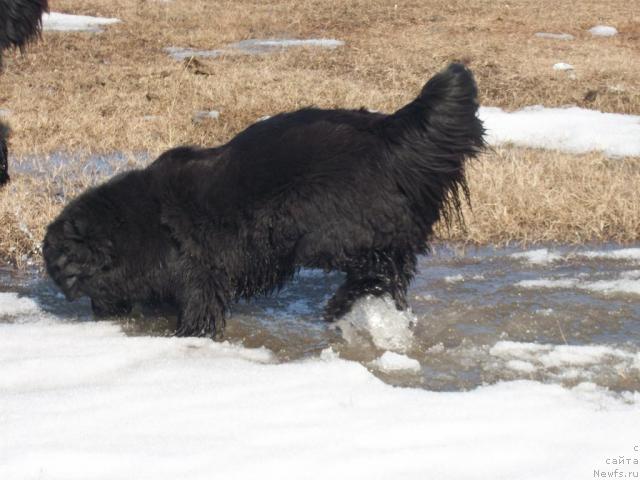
[(372, 171)]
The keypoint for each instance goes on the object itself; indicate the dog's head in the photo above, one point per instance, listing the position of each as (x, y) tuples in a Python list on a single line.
[(104, 237), (77, 252)]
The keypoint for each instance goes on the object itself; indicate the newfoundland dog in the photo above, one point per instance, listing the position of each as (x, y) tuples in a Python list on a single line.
[(345, 190), (20, 22)]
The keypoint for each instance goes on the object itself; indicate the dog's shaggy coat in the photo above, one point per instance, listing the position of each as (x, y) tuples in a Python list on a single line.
[(344, 190), (20, 22)]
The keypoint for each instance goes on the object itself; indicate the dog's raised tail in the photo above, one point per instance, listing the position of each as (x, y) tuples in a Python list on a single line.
[(446, 111), (430, 138)]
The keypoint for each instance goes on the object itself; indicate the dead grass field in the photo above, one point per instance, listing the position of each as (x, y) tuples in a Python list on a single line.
[(119, 91)]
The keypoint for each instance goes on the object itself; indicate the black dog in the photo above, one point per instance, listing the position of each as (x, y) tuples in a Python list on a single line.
[(20, 22), (344, 190)]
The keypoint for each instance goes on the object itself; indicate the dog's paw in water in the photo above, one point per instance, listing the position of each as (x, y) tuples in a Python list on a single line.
[(347, 190)]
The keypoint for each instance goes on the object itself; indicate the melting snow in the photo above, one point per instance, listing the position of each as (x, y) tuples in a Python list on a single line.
[(555, 36), (541, 256), (62, 22), (574, 130), (553, 356), (179, 53), (81, 400), (622, 254), (393, 362), (603, 31), (253, 46), (454, 278), (562, 66), (628, 282), (203, 115), (544, 256), (265, 45), (12, 305)]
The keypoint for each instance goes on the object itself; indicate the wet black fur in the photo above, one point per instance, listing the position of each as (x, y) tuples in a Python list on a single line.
[(344, 190), (4, 154), (20, 22)]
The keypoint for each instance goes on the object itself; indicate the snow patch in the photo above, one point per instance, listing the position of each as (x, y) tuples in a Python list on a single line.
[(544, 256), (62, 22), (629, 282), (541, 256), (548, 283), (521, 366), (11, 304), (454, 278), (529, 357), (603, 31), (562, 66), (180, 53), (394, 362), (621, 254), (253, 46), (626, 283), (573, 129), (204, 115), (256, 45), (85, 401), (555, 36)]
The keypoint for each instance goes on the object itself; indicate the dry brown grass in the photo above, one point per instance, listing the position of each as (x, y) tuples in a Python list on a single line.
[(534, 196), (91, 93)]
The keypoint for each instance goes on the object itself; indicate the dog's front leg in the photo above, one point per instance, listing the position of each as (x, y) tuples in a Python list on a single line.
[(203, 303), (375, 274), (106, 308)]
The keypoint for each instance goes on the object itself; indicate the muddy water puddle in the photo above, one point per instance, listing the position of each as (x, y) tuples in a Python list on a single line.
[(478, 316)]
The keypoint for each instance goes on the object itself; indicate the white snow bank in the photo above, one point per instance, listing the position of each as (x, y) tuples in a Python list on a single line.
[(574, 130), (540, 256), (555, 36), (62, 22), (562, 66), (11, 304), (393, 362), (83, 401), (627, 282), (603, 31)]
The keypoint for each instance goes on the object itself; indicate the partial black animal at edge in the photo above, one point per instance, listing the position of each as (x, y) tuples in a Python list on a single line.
[(20, 22), (345, 190)]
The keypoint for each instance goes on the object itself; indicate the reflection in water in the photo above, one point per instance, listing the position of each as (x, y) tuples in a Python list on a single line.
[(478, 316)]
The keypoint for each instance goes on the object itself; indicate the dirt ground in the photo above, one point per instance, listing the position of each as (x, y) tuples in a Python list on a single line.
[(119, 91)]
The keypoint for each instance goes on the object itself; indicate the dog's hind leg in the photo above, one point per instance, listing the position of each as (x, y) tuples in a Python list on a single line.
[(377, 274)]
